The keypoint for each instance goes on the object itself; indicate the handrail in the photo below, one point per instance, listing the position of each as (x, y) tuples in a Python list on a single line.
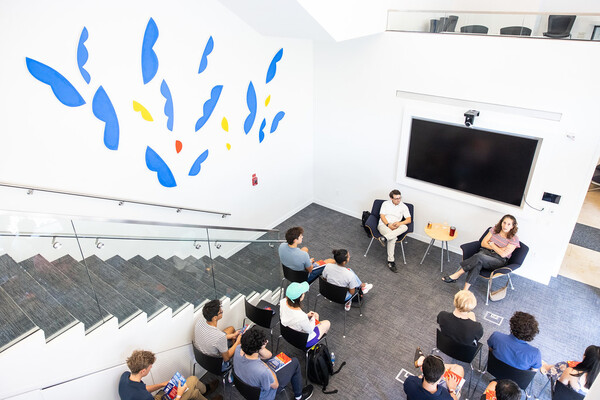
[(121, 201)]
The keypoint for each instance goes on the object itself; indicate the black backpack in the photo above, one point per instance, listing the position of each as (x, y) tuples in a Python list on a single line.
[(365, 217), (320, 366)]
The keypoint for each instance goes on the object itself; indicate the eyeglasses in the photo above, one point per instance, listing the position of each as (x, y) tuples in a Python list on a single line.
[(396, 198)]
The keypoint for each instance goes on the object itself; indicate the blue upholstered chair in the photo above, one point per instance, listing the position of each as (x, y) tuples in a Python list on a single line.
[(373, 221), (514, 262)]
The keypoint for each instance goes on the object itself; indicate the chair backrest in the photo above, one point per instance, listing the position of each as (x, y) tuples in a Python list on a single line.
[(332, 292), (518, 255), (259, 316), (456, 350), (293, 337), (474, 29), (563, 392), (373, 219), (501, 370), (411, 226), (293, 275), (560, 24), (376, 207), (248, 392), (515, 30), (212, 364)]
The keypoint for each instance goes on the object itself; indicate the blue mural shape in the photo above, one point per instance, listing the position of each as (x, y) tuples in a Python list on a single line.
[(276, 120), (82, 55), (105, 112), (273, 66), (209, 106), (207, 50), (198, 163), (164, 90), (261, 132), (149, 57), (61, 87), (251, 102), (163, 172)]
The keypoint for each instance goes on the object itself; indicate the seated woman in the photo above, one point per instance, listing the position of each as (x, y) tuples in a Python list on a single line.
[(460, 325), (292, 316), (578, 376), (339, 274), (496, 248)]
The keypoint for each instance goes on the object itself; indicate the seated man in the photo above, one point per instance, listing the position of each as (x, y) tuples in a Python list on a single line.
[(131, 386), (394, 218), (249, 367), (298, 259), (513, 349), (429, 386), (209, 339), (504, 389)]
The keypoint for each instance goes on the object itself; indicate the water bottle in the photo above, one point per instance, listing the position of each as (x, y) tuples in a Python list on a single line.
[(332, 358)]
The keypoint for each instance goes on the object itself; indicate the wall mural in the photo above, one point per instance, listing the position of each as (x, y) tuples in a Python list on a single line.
[(103, 109)]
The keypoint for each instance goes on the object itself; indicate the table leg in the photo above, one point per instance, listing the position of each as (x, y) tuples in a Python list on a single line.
[(426, 251), (447, 251), (442, 257)]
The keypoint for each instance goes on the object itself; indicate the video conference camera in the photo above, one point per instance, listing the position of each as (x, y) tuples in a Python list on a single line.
[(470, 117)]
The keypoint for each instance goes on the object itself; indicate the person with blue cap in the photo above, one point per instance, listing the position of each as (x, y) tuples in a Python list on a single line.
[(292, 316)]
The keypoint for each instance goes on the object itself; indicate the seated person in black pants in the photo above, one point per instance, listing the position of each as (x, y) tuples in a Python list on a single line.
[(427, 387), (504, 389), (460, 325), (249, 367)]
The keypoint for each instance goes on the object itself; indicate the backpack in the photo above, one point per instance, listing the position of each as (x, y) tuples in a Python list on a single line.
[(365, 217), (320, 366)]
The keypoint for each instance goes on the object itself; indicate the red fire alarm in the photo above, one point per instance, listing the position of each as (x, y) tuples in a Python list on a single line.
[(254, 180)]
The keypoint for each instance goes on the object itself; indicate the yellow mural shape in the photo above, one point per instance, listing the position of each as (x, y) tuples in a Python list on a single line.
[(225, 124), (228, 146), (268, 100), (145, 113)]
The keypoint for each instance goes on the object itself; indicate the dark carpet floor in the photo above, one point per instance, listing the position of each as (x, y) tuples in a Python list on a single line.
[(400, 312), (586, 236)]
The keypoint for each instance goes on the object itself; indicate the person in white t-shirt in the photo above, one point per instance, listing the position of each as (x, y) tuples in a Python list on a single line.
[(340, 275), (394, 218), (292, 316)]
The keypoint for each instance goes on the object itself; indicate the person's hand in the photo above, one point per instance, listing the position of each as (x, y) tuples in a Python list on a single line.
[(310, 314), (238, 339), (181, 389), (312, 259), (453, 382)]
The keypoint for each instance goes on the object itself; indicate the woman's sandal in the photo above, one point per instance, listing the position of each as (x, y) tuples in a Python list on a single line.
[(418, 354), (447, 279)]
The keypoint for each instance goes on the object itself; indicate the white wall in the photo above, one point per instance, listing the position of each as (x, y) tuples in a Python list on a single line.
[(47, 144), (358, 125)]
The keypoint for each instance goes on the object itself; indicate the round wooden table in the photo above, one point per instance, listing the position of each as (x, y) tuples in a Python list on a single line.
[(439, 232)]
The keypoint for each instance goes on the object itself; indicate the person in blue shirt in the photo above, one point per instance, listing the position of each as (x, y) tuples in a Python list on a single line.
[(513, 349), (297, 258), (431, 386)]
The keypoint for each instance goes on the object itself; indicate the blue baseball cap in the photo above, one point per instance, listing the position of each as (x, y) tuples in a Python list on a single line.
[(295, 290)]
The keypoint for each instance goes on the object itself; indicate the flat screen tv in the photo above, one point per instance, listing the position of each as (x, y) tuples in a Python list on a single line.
[(484, 163)]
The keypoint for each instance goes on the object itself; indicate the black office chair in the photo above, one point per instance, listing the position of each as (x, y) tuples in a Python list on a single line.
[(501, 370), (563, 392), (248, 392), (474, 29), (515, 31), (459, 352), (291, 275), (514, 262), (559, 26), (298, 340), (213, 365), (261, 316), (373, 221), (337, 294)]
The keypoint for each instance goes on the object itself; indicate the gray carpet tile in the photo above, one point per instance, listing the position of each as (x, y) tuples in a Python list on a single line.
[(586, 236), (66, 292), (227, 285), (34, 300), (182, 290), (189, 279), (400, 312), (153, 286), (14, 323), (108, 297), (131, 290)]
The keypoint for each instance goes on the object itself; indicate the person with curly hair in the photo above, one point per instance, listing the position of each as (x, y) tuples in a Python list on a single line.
[(513, 349), (496, 248), (579, 376), (248, 365)]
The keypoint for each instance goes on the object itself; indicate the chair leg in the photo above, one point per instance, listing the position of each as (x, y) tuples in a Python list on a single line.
[(370, 243), (510, 281), (281, 290), (489, 288), (403, 257), (345, 312)]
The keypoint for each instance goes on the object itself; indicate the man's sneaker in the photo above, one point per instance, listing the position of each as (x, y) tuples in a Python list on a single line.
[(392, 266), (348, 305), (382, 240), (368, 286), (307, 392)]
